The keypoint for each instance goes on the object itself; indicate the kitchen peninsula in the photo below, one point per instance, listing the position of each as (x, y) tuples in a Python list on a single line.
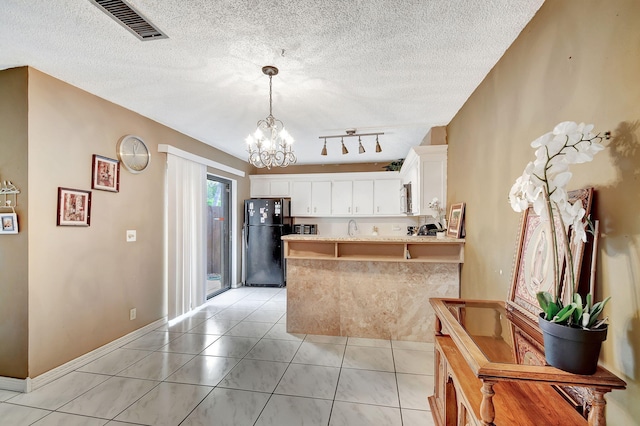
[(375, 287)]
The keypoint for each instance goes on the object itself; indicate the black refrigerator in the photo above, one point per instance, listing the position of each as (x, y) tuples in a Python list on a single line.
[(266, 220)]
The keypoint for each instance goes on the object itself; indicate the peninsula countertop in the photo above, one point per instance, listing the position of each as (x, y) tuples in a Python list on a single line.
[(372, 238), (380, 248)]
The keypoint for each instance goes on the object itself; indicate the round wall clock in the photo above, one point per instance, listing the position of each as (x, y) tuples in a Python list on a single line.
[(133, 153)]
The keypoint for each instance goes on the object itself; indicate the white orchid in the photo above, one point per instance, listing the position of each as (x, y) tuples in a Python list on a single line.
[(542, 184), (568, 143)]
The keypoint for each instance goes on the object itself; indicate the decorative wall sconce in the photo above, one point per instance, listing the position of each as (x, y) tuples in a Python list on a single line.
[(351, 133)]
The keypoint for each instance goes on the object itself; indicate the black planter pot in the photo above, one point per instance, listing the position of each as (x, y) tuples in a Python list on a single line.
[(571, 349)]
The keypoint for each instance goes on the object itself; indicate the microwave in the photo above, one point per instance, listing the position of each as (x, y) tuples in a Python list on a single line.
[(406, 203)]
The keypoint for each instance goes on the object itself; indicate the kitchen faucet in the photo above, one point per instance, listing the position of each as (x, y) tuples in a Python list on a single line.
[(351, 230)]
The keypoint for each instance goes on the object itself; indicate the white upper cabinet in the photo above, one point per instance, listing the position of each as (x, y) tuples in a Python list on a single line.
[(426, 169), (301, 198), (386, 197), (321, 198), (310, 198), (352, 198), (363, 197), (342, 198), (268, 186), (334, 194)]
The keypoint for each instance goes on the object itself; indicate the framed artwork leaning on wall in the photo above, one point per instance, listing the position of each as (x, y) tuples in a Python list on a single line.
[(455, 220)]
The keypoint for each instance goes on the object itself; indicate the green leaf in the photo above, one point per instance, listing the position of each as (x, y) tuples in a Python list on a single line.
[(589, 304), (577, 314), (565, 313), (544, 299), (595, 312), (549, 307)]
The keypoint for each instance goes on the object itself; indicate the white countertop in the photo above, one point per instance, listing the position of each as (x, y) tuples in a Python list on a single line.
[(372, 238)]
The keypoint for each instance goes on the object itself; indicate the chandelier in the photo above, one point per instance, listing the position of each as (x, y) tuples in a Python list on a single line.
[(270, 145)]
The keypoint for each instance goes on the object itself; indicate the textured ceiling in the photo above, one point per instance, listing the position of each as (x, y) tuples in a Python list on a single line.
[(392, 66)]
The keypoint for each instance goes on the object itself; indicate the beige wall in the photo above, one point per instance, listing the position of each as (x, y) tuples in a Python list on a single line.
[(576, 60), (13, 248), (82, 282)]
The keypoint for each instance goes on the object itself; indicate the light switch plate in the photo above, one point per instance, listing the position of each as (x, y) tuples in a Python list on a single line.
[(131, 235)]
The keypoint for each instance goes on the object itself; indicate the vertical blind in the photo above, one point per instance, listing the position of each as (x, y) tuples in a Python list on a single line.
[(186, 246)]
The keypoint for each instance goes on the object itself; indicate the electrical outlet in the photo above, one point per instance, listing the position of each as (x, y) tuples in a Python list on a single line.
[(131, 235), (132, 314)]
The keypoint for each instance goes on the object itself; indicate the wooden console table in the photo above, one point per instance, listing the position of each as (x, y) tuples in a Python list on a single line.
[(486, 372)]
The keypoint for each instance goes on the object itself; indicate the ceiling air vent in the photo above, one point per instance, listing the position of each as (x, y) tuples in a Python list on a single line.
[(130, 18)]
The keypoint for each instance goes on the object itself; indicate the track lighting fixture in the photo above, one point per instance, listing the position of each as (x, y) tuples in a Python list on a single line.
[(351, 133)]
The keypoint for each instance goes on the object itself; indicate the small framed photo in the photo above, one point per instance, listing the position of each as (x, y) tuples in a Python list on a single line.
[(9, 222), (74, 207), (105, 174), (456, 219)]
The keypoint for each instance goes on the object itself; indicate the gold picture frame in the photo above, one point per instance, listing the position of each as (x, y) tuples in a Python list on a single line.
[(455, 220), (532, 265)]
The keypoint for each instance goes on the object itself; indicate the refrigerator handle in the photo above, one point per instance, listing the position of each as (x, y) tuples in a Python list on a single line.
[(245, 240)]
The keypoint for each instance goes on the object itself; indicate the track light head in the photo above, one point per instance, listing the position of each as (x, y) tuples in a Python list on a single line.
[(378, 147), (360, 147), (324, 148), (344, 148)]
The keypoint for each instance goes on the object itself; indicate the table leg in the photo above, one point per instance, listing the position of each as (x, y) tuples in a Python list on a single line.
[(438, 327), (597, 415), (487, 410)]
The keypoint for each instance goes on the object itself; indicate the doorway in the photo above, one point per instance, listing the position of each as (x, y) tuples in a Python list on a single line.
[(218, 235)]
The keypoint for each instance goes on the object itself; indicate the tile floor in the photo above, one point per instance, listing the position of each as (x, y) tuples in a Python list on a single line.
[(233, 363)]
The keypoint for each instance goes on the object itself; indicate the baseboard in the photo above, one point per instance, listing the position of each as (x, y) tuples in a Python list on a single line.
[(15, 385), (30, 384)]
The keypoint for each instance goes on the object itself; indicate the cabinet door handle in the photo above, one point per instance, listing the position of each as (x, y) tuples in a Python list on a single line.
[(348, 209), (307, 209), (377, 209), (356, 209), (315, 209)]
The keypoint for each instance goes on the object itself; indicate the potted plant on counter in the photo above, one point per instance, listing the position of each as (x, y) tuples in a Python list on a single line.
[(572, 332)]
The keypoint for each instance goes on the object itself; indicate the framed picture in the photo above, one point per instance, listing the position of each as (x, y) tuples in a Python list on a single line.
[(533, 268), (74, 207), (105, 174), (9, 223), (456, 218)]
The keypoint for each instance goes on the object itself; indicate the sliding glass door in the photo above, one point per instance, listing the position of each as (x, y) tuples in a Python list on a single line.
[(218, 242)]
